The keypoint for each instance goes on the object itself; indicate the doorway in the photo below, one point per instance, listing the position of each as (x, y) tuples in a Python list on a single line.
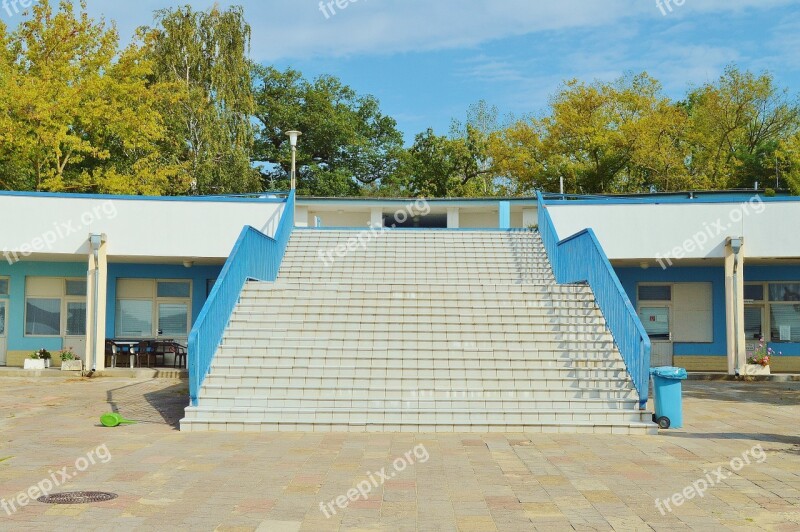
[(657, 321)]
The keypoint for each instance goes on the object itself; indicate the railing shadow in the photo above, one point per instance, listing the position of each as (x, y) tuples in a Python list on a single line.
[(153, 401)]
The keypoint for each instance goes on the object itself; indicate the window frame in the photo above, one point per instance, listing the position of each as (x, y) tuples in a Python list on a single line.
[(155, 302), (63, 299), (767, 303)]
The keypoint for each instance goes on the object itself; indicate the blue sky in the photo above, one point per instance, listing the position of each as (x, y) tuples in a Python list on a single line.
[(428, 60)]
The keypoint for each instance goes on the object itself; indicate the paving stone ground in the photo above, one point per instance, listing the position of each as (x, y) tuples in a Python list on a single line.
[(168, 480)]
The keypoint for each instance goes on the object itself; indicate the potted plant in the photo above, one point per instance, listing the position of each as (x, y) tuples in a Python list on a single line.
[(70, 361), (758, 363), (45, 355), (34, 362)]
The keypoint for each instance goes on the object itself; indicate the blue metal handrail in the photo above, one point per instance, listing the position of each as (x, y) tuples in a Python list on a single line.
[(580, 258), (255, 256)]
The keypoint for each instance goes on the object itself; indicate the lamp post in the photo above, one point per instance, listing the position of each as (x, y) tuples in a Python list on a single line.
[(293, 136)]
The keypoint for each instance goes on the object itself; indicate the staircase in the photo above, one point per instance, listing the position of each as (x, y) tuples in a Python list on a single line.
[(419, 331)]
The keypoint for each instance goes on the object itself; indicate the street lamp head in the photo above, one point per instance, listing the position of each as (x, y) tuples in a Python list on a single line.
[(293, 135)]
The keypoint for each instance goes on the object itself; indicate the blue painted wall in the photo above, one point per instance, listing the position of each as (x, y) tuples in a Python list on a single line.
[(631, 277), (17, 341)]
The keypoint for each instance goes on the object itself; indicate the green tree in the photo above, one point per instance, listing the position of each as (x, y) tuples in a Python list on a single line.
[(737, 126), (73, 118), (347, 142), (202, 57)]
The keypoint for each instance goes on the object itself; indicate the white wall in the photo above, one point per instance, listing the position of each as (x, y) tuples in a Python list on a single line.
[(695, 230), (135, 228)]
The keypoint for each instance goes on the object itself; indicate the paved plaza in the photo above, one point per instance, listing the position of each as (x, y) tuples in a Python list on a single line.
[(740, 449)]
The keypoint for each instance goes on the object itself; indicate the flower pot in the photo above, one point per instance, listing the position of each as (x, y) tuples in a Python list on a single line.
[(72, 365), (756, 369), (34, 364), (47, 362)]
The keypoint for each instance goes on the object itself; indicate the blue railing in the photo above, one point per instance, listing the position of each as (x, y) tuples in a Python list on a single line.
[(580, 258), (255, 256)]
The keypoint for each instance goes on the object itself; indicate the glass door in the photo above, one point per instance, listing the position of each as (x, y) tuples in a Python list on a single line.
[(753, 327), (657, 322)]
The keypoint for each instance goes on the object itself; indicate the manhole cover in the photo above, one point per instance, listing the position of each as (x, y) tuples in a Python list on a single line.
[(77, 497)]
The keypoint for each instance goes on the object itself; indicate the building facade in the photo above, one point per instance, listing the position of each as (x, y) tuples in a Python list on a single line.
[(709, 274)]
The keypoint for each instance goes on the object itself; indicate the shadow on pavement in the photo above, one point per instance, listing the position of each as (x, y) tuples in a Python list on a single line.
[(766, 438), (154, 401), (774, 393)]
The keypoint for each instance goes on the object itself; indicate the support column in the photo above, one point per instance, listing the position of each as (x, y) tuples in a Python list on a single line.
[(301, 216), (530, 217), (734, 305), (505, 215), (97, 281), (376, 217), (453, 218)]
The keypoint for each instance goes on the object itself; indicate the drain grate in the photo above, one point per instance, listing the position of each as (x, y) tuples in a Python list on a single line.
[(77, 497)]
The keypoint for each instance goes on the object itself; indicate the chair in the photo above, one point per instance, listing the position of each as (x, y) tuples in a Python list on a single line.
[(180, 356), (111, 354), (145, 350), (160, 350)]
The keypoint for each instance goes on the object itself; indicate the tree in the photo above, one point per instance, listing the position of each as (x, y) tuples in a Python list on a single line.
[(74, 119), (737, 126), (347, 141), (202, 56)]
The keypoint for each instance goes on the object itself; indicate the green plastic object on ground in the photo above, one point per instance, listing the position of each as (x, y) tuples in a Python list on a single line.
[(112, 419)]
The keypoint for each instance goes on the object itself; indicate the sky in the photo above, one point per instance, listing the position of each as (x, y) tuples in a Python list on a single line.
[(427, 61)]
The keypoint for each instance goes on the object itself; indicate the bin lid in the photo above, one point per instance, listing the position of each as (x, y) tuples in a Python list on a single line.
[(669, 372)]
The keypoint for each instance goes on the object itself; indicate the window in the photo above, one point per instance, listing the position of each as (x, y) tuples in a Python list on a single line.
[(784, 310), (134, 318), (680, 312), (656, 322), (754, 292), (181, 289), (55, 306), (75, 287), (3, 287), (752, 322), (210, 286), (43, 317), (655, 293), (76, 318), (173, 319), (148, 308)]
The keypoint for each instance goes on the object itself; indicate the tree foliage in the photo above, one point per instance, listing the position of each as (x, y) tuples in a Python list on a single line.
[(183, 110), (347, 142)]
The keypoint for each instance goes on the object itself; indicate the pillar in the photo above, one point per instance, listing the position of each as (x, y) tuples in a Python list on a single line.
[(505, 215), (453, 218), (734, 308), (96, 332), (376, 217)]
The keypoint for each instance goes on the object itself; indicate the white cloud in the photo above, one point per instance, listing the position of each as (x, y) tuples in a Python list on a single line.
[(297, 29)]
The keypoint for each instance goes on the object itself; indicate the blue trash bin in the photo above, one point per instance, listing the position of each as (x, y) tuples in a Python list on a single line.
[(667, 396)]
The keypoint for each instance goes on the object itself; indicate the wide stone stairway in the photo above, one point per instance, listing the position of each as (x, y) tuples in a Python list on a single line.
[(420, 331)]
